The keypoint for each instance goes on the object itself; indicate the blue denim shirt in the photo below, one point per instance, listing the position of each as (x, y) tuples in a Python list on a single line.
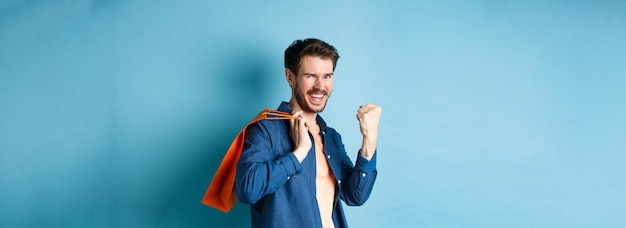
[(281, 190)]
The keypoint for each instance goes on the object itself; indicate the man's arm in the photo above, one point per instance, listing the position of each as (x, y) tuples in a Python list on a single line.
[(359, 179), (368, 116), (258, 173)]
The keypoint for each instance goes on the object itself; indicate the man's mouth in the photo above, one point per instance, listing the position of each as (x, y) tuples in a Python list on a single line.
[(317, 97)]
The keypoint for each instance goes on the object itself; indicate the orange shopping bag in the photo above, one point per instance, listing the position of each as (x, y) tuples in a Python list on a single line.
[(221, 193)]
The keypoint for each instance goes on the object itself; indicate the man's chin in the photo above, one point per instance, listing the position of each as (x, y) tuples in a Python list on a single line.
[(317, 108)]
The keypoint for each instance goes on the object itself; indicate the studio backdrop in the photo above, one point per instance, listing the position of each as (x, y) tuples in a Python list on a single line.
[(495, 113)]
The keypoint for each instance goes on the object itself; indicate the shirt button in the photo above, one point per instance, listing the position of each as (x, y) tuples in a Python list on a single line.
[(363, 174), (328, 156), (288, 177), (339, 181)]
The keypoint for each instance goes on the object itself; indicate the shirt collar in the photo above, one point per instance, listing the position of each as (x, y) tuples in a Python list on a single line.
[(284, 107)]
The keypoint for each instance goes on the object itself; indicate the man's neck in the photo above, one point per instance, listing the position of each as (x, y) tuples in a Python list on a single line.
[(308, 116)]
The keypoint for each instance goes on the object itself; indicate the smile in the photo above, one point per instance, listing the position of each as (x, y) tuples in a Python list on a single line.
[(317, 97)]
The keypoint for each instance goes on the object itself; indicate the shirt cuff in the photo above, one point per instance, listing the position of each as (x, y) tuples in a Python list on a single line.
[(364, 165), (291, 164)]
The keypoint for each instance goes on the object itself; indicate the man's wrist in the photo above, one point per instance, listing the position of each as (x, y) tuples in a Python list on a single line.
[(300, 154), (367, 151)]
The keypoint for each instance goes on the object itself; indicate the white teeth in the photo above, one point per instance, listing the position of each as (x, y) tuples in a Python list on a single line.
[(317, 95)]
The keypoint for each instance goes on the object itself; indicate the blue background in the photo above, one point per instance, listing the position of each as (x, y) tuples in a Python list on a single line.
[(495, 113)]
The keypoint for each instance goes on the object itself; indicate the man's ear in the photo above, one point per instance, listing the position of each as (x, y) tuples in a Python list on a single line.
[(291, 78)]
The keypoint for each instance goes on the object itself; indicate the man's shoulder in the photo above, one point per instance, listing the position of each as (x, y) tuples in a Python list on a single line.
[(272, 127)]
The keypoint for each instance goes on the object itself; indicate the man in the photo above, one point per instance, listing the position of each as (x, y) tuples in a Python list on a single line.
[(293, 172)]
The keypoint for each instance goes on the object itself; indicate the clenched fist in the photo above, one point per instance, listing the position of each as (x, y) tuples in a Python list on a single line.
[(368, 116)]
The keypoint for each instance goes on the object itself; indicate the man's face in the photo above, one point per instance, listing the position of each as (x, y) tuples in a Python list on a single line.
[(313, 83)]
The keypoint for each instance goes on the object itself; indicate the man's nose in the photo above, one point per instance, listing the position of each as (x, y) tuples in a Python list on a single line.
[(318, 84)]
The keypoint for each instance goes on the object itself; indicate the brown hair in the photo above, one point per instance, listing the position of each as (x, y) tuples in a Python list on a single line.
[(312, 47)]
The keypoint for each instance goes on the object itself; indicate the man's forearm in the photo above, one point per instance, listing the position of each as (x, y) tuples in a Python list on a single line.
[(368, 148)]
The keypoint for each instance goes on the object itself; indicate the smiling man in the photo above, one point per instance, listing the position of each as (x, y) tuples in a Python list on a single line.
[(295, 173)]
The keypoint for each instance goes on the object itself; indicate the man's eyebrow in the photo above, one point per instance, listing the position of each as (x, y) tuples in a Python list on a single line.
[(313, 74)]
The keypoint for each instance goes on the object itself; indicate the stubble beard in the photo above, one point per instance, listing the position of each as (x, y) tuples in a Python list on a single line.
[(300, 98)]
